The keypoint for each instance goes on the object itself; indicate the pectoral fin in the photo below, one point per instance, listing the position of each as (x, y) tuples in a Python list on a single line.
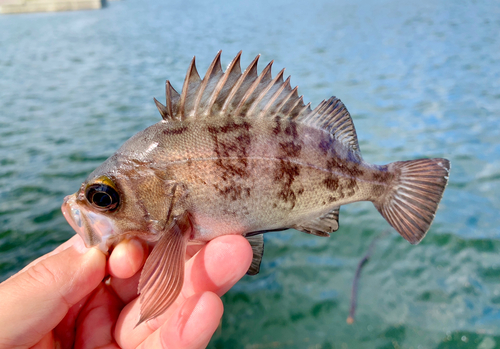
[(257, 243), (163, 274)]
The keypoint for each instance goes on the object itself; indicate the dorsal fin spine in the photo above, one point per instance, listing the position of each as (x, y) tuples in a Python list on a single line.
[(192, 76), (287, 99), (236, 87), (298, 102), (171, 94), (235, 64), (162, 109), (284, 87), (213, 69), (275, 97), (263, 93), (252, 88), (305, 109)]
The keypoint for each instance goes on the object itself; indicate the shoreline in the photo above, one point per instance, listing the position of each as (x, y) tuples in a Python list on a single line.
[(32, 6)]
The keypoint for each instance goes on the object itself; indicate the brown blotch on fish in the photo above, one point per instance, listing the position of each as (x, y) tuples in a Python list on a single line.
[(277, 126), (289, 149), (331, 183), (232, 168), (382, 175), (233, 191), (230, 126), (326, 144), (378, 190), (284, 176), (175, 131), (291, 129)]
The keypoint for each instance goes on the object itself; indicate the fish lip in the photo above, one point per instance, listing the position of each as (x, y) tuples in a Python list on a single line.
[(94, 228), (70, 218)]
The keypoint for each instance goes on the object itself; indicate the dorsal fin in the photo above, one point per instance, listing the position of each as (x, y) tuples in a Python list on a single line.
[(333, 117), (248, 94)]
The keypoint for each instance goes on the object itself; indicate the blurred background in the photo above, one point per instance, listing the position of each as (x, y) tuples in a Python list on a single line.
[(421, 79)]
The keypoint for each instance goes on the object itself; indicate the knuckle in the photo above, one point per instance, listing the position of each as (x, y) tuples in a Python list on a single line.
[(40, 274)]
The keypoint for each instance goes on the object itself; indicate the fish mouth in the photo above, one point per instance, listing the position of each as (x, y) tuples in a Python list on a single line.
[(94, 228)]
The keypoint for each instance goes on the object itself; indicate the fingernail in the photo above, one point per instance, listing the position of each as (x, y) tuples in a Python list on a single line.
[(137, 243), (133, 248)]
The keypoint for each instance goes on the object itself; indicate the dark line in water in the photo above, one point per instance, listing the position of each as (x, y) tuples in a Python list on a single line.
[(362, 262)]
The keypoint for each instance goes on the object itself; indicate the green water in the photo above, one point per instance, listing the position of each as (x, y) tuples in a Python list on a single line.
[(420, 79)]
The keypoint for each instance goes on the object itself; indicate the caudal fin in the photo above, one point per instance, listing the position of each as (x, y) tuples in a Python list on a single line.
[(411, 202)]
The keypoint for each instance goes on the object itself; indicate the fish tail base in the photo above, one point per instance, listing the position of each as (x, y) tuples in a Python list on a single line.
[(412, 200)]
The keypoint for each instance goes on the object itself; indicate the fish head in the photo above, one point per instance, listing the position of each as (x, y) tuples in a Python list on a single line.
[(120, 199)]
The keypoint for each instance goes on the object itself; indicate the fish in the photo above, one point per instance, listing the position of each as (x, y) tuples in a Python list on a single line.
[(239, 152)]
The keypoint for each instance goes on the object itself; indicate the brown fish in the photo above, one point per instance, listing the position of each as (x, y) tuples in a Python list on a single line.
[(240, 153)]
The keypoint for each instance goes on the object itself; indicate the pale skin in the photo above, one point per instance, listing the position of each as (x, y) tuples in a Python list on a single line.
[(77, 297)]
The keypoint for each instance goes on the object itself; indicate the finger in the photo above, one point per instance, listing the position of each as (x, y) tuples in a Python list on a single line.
[(35, 300), (216, 268), (125, 265), (64, 333), (191, 326), (126, 289), (127, 258), (193, 249), (95, 324), (75, 241)]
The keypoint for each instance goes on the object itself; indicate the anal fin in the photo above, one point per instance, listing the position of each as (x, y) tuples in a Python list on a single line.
[(257, 243), (163, 274), (321, 226)]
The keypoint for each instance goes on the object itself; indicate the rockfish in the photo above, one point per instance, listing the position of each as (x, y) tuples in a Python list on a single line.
[(240, 153)]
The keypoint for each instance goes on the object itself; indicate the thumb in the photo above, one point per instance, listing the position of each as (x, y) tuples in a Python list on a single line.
[(36, 299)]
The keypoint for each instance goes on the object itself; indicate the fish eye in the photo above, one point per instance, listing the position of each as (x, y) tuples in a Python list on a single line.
[(102, 196)]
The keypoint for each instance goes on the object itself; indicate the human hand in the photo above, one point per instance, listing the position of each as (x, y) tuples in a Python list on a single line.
[(72, 298)]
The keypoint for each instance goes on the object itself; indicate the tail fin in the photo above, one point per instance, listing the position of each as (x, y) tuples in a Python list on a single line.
[(410, 205)]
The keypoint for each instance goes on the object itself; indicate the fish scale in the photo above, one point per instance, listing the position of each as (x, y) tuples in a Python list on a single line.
[(240, 153)]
